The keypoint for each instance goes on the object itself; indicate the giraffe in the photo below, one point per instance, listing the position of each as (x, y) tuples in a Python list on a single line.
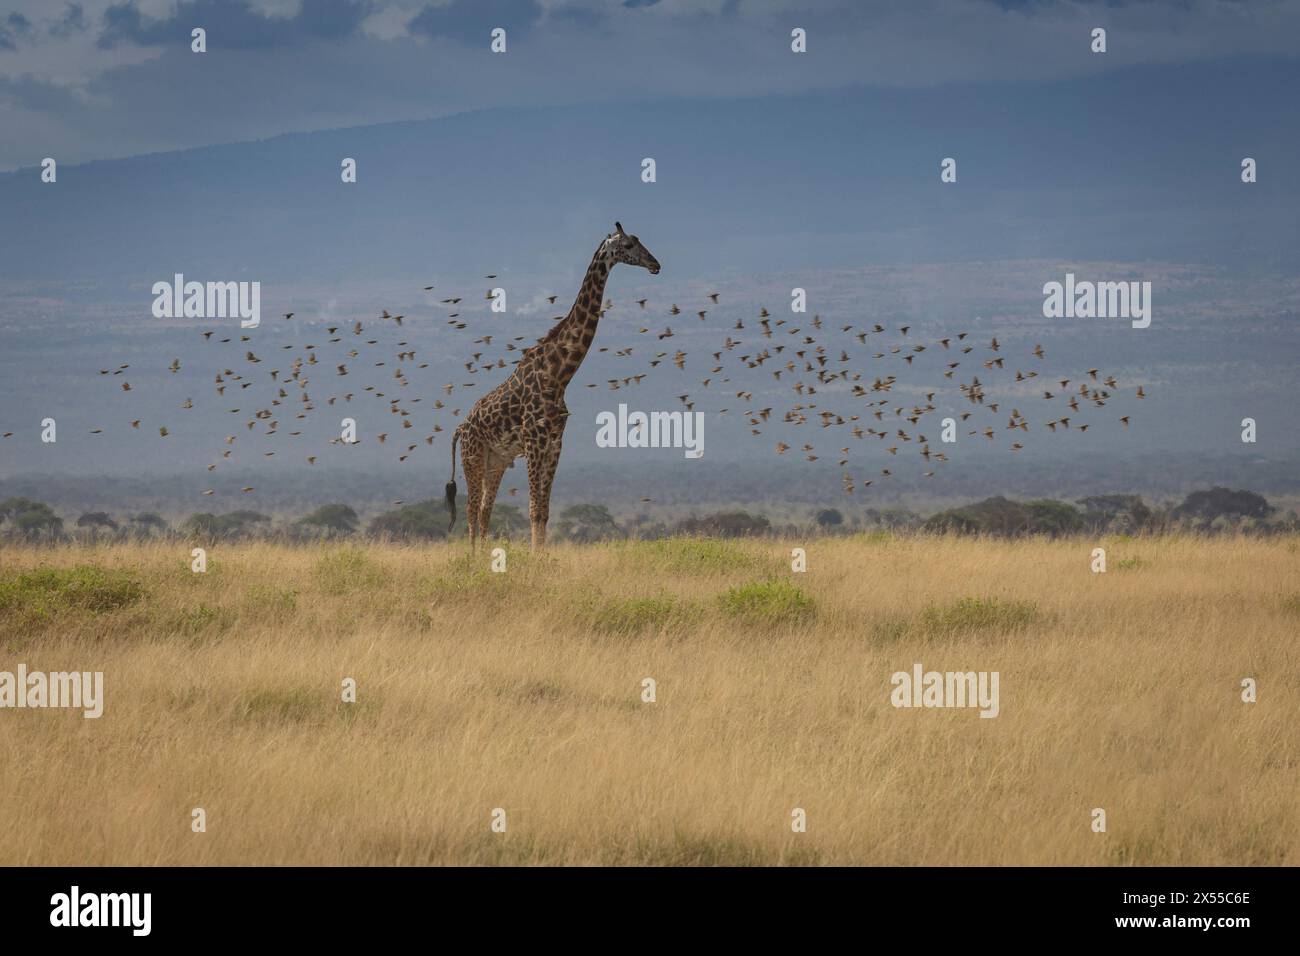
[(525, 415)]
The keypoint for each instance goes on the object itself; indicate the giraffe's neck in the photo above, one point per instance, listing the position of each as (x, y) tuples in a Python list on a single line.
[(575, 332)]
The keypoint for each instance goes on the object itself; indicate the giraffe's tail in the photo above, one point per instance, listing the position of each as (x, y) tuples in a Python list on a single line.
[(451, 485)]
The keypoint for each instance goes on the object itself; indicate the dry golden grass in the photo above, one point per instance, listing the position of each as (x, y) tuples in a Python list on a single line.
[(523, 691)]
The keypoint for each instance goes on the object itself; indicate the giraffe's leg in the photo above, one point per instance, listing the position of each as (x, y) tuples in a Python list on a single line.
[(493, 471), (542, 461), (472, 458)]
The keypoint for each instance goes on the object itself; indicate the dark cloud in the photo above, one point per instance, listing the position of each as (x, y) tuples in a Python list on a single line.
[(72, 21), (338, 63), (472, 21), (12, 28), (39, 96), (234, 24)]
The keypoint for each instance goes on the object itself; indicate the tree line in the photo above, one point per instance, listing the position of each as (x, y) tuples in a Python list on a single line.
[(1209, 511)]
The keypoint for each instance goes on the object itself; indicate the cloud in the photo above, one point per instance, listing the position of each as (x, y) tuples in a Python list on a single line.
[(276, 66), (471, 22), (73, 20), (13, 29), (235, 25)]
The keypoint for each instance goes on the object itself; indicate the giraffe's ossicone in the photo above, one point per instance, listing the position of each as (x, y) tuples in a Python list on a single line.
[(524, 416)]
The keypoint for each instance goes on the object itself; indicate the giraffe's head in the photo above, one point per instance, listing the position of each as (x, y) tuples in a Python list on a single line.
[(621, 247)]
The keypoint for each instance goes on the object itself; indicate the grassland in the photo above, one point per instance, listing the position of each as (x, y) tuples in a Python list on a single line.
[(523, 690)]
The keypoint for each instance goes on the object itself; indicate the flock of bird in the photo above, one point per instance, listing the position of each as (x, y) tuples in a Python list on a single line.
[(853, 407)]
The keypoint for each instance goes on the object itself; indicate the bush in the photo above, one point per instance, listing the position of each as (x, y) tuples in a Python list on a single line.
[(768, 603), (633, 615), (52, 590), (282, 706), (978, 614), (347, 569), (693, 555), (191, 621)]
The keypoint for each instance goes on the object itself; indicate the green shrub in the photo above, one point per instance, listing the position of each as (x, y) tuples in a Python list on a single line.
[(768, 602), (195, 620), (887, 630), (634, 615), (467, 575), (49, 591), (978, 614), (295, 705), (347, 569), (692, 555), (265, 600)]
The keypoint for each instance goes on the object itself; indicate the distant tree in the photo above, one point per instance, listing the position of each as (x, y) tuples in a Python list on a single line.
[(993, 516), (10, 508), (892, 518), (96, 519), (30, 518), (588, 522), (1001, 517), (201, 524), (236, 524), (1123, 513), (335, 519), (509, 521), (952, 522), (424, 520), (829, 518), (647, 528), (148, 523), (1223, 503), (726, 524), (242, 522), (1053, 517)]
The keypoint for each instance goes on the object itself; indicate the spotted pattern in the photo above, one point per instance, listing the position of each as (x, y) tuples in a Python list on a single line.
[(525, 415)]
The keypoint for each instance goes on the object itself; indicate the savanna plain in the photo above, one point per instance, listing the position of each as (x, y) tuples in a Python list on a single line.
[(525, 690)]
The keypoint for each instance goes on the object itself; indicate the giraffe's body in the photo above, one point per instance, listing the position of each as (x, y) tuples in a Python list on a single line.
[(525, 415)]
